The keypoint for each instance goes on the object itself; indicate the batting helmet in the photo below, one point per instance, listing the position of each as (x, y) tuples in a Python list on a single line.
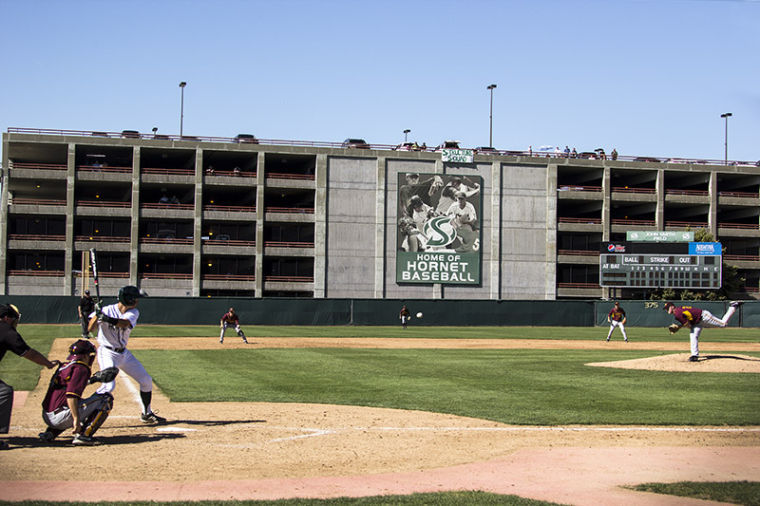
[(82, 347), (129, 294)]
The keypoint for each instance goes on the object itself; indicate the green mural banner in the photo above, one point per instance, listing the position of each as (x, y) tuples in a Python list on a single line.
[(439, 233)]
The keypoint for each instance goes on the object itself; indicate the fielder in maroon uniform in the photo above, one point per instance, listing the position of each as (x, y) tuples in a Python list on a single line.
[(616, 318), (230, 319), (696, 318)]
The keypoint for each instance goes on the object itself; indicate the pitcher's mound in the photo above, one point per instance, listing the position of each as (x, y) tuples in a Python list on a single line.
[(724, 362)]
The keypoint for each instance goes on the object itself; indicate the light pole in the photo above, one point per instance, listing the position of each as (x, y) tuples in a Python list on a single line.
[(726, 115), (406, 132), (182, 107), (490, 127)]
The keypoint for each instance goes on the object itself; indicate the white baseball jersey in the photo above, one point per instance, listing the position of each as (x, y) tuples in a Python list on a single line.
[(112, 351), (462, 215), (112, 336)]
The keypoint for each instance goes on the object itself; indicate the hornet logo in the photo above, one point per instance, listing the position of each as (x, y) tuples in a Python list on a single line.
[(439, 232)]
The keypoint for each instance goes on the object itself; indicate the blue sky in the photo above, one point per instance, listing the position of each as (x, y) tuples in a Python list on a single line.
[(650, 78)]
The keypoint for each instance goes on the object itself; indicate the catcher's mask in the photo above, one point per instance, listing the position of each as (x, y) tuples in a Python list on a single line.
[(83, 348), (129, 294)]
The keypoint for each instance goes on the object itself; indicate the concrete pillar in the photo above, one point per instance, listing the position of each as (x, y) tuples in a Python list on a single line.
[(380, 210), (4, 202), (68, 255), (198, 225), (494, 232), (606, 217), (320, 228), (712, 213), (659, 214), (550, 261), (260, 187), (134, 241), (606, 204)]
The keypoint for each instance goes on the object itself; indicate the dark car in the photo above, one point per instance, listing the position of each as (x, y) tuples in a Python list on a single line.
[(355, 143), (130, 134), (487, 150), (588, 155), (448, 145), (246, 138), (648, 159)]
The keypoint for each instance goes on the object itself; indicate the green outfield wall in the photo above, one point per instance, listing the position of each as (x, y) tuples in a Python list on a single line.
[(208, 311)]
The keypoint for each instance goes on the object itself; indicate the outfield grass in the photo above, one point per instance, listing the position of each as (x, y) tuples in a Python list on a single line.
[(511, 386), (542, 387)]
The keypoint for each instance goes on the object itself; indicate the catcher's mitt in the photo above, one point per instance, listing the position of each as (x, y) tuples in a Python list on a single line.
[(104, 375), (673, 328)]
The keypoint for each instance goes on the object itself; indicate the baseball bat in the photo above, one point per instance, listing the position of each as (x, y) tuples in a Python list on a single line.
[(95, 278)]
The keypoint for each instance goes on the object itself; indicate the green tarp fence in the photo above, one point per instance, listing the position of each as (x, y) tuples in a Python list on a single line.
[(208, 311)]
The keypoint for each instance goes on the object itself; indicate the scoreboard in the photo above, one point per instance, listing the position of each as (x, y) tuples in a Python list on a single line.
[(661, 265)]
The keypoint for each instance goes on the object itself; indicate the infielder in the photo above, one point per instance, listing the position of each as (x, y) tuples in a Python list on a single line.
[(695, 319), (114, 324), (63, 406), (616, 318), (404, 316), (230, 319)]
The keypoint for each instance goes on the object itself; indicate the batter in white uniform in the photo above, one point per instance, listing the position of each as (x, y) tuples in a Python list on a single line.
[(114, 324)]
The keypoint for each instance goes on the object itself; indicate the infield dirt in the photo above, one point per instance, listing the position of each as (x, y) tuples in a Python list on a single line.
[(268, 451)]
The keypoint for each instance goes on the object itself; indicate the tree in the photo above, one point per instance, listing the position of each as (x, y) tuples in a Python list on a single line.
[(731, 282)]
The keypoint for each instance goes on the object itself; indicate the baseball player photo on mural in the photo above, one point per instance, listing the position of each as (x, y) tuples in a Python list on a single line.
[(231, 319), (616, 318), (114, 324), (439, 233), (696, 318)]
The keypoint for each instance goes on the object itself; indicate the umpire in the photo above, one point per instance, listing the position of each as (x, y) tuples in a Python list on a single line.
[(85, 309), (11, 340)]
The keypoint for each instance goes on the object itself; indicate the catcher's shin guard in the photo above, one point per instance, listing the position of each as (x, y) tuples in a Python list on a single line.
[(93, 422)]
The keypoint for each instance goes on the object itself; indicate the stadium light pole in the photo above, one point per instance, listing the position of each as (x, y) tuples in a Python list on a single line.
[(182, 107), (490, 125), (406, 132), (725, 156)]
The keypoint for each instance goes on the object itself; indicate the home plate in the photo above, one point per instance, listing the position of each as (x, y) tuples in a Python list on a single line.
[(175, 429)]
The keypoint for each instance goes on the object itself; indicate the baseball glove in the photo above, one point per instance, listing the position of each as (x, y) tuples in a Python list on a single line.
[(104, 375), (673, 328)]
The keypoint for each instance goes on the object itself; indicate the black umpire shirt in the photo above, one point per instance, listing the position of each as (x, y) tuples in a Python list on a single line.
[(11, 340), (87, 305)]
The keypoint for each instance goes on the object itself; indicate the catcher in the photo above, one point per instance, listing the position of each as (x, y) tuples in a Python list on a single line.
[(230, 319), (63, 406), (696, 318)]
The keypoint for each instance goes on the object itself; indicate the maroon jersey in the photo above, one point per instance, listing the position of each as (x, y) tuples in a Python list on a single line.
[(230, 318), (616, 315), (69, 381), (687, 314)]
